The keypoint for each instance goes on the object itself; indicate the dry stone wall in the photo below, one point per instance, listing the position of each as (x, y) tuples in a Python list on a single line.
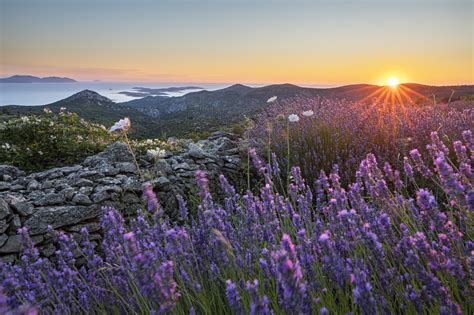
[(70, 198)]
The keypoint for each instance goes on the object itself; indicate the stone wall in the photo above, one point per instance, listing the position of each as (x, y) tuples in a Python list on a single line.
[(69, 198)]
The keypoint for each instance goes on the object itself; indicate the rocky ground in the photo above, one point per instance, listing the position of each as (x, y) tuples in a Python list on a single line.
[(69, 198)]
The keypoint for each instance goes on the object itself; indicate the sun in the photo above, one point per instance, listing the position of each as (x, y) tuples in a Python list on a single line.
[(393, 82)]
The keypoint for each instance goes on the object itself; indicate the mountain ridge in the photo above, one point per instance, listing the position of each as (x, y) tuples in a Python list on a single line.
[(201, 112)]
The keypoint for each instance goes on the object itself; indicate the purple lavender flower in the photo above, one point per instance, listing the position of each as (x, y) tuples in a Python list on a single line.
[(234, 299), (420, 165), (292, 288), (152, 204), (258, 304)]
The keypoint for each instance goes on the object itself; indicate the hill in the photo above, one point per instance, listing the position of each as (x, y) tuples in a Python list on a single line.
[(96, 108), (209, 110), (197, 114)]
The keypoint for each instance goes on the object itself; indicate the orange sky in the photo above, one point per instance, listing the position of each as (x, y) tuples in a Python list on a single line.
[(301, 42)]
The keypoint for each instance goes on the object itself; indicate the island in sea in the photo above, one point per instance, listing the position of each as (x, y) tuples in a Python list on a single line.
[(33, 79)]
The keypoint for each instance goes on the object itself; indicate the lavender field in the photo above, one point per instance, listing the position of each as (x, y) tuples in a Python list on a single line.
[(347, 209)]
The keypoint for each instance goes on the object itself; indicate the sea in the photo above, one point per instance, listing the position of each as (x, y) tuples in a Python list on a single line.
[(47, 93), (31, 94)]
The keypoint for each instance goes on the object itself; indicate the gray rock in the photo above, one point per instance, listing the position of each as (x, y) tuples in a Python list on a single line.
[(196, 151), (109, 170), (90, 174), (127, 167), (51, 199), (117, 152), (7, 178), (3, 225), (47, 184), (12, 245), (60, 185), (181, 166), (22, 207), (162, 183), (17, 187), (100, 196), (86, 190), (71, 169), (4, 209), (68, 193), (83, 182), (109, 188), (81, 199), (11, 171), (5, 186), (33, 185), (109, 181), (49, 174), (3, 239), (15, 223), (59, 216), (231, 166), (231, 159), (162, 167), (91, 227)]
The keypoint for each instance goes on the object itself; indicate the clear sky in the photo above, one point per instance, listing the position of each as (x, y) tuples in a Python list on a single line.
[(301, 42)]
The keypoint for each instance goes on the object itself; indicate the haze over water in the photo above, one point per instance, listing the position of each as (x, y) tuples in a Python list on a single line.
[(46, 93)]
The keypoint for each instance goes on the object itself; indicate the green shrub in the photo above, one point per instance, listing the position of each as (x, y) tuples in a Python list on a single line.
[(38, 142)]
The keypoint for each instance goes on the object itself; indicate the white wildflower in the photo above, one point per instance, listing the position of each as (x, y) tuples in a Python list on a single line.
[(158, 153), (272, 99), (121, 125), (47, 110), (308, 113), (40, 152), (25, 119), (6, 146), (62, 109), (293, 118)]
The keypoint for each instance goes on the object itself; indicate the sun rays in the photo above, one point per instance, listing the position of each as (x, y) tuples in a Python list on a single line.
[(390, 102)]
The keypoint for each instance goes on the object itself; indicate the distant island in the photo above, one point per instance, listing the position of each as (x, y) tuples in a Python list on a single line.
[(33, 79), (143, 92)]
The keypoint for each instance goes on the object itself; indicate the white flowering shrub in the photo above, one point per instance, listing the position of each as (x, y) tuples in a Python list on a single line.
[(157, 148), (41, 141)]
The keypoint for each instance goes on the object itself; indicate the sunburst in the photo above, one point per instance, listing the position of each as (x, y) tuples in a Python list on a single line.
[(393, 99)]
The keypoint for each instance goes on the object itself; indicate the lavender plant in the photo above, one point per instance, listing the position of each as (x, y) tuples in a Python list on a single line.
[(363, 248), (327, 132)]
